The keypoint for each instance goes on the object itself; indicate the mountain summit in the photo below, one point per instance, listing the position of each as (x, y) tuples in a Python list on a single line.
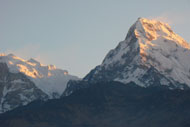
[(23, 81), (151, 54)]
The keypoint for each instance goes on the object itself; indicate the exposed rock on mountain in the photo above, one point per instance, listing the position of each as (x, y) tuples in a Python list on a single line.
[(16, 90)]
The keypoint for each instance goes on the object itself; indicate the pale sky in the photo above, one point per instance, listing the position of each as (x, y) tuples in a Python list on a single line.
[(77, 34)]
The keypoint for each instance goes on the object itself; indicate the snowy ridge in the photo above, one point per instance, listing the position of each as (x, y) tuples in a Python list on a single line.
[(150, 54), (49, 79), (164, 49)]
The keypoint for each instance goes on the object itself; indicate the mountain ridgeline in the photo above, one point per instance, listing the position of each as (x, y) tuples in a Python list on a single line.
[(151, 54), (144, 81), (23, 81)]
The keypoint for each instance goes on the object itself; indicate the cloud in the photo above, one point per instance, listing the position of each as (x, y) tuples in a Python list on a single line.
[(173, 18), (164, 18)]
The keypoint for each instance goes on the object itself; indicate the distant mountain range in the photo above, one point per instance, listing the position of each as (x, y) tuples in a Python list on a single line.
[(144, 81), (23, 81)]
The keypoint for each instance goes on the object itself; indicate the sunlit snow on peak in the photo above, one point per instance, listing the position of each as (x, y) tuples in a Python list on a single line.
[(48, 78), (153, 29), (151, 43)]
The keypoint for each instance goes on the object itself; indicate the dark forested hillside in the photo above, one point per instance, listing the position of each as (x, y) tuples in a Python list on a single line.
[(106, 104)]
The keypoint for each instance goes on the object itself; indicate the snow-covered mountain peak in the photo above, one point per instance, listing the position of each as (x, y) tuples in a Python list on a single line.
[(23, 81), (150, 30), (48, 78), (150, 54)]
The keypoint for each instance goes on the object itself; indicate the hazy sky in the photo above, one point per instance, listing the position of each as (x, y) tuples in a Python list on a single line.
[(77, 34)]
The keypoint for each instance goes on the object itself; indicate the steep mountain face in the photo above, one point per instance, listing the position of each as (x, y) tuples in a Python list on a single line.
[(107, 104), (16, 90), (24, 81), (151, 54)]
